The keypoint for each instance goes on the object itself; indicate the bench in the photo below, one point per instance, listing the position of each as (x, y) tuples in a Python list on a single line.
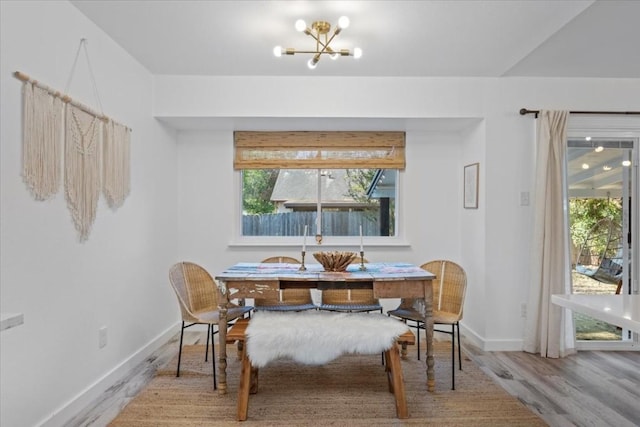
[(249, 373)]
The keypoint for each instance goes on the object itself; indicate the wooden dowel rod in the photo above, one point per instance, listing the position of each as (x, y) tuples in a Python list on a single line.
[(65, 98), (21, 76)]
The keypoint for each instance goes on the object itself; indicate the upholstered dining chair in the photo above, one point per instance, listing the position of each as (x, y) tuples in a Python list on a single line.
[(449, 289), (350, 300), (198, 297), (288, 299)]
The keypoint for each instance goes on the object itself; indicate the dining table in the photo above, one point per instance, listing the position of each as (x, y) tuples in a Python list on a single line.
[(386, 279)]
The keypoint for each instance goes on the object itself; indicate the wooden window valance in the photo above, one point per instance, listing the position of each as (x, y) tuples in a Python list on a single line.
[(315, 150)]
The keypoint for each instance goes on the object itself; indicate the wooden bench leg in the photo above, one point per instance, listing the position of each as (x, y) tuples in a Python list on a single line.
[(244, 387), (403, 353), (396, 381), (240, 348), (404, 340), (254, 381)]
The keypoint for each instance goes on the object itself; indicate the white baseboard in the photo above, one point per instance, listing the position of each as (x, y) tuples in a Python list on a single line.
[(66, 412), (490, 345)]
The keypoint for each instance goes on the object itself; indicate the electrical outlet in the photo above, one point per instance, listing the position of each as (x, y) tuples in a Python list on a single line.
[(524, 198), (523, 310), (102, 337)]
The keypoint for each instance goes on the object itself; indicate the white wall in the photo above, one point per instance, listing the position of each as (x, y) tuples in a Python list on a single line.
[(183, 198), (51, 365), (208, 189), (491, 242), (472, 240)]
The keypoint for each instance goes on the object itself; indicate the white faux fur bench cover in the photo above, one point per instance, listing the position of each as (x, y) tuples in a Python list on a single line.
[(316, 338)]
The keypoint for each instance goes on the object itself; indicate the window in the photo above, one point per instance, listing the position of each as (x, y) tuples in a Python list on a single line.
[(332, 182)]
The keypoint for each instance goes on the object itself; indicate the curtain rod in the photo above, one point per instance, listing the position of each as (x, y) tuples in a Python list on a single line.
[(65, 98), (524, 111)]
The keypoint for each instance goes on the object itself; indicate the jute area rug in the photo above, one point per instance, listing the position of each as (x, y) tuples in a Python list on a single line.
[(351, 391)]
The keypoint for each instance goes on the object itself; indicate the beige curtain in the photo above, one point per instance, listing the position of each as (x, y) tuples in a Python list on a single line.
[(549, 328)]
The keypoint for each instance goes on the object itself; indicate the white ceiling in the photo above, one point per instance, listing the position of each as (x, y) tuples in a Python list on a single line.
[(477, 38), (399, 38)]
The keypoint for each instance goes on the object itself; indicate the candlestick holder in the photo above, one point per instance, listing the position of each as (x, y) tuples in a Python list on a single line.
[(302, 267), (362, 267)]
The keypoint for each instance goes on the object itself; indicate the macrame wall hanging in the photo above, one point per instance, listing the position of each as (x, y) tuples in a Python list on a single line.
[(116, 141), (91, 141), (41, 141)]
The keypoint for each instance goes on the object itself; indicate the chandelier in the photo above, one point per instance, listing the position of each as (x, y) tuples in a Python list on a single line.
[(319, 31)]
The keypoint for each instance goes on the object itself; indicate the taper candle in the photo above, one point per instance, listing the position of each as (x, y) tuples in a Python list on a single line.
[(319, 207), (304, 239), (361, 245)]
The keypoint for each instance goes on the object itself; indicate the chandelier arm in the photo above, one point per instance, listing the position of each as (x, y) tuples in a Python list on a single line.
[(322, 52), (325, 45), (317, 39), (335, 33)]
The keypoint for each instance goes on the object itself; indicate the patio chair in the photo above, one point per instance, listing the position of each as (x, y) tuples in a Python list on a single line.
[(287, 299), (198, 297), (600, 256), (449, 288)]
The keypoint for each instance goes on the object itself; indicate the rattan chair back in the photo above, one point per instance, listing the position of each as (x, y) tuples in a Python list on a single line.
[(281, 260), (349, 297), (287, 297), (449, 286), (195, 289)]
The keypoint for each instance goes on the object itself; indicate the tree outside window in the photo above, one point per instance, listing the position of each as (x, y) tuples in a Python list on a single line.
[(280, 202)]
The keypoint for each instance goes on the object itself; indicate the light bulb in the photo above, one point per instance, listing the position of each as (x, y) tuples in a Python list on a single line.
[(599, 149), (357, 52), (277, 51), (334, 56), (301, 25), (343, 22), (626, 163), (312, 63)]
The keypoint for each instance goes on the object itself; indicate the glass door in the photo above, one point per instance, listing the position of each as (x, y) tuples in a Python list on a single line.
[(601, 182)]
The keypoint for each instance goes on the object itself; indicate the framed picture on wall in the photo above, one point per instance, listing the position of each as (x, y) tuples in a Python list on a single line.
[(471, 186)]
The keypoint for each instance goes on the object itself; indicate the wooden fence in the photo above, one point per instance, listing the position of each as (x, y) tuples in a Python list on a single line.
[(292, 224)]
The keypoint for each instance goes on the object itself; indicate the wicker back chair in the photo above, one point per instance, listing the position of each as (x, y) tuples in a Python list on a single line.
[(350, 300), (449, 289), (198, 298), (288, 299), (281, 260)]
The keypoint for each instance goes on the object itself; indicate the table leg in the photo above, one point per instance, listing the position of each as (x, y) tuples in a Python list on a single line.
[(222, 341), (428, 327)]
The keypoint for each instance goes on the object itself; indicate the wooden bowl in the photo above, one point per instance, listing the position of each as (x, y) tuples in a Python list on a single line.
[(336, 260)]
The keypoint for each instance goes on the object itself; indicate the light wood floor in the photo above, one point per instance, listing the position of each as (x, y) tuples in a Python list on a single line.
[(592, 388)]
